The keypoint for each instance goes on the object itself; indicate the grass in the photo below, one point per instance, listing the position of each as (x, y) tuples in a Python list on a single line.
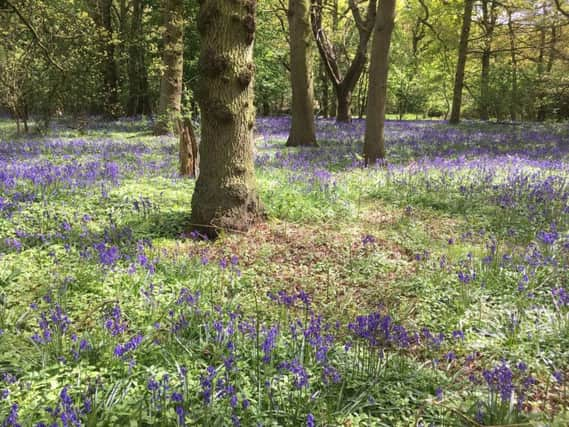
[(464, 234)]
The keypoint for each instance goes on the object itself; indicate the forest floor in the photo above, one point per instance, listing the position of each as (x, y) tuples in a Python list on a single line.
[(431, 290)]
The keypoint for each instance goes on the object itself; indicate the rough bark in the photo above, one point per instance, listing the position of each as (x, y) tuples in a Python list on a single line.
[(461, 63), (188, 149), (225, 197), (173, 59), (344, 84), (302, 131), (138, 97), (374, 142)]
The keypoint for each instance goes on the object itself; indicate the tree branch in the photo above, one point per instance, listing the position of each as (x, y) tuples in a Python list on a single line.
[(560, 9), (35, 36)]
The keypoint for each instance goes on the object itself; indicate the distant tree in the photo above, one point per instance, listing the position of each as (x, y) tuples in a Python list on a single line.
[(139, 101), (344, 84), (170, 103), (374, 142), (102, 15), (225, 197), (488, 24), (302, 131), (513, 101), (53, 49), (461, 63)]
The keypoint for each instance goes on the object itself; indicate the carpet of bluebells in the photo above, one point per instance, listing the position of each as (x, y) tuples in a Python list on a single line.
[(430, 290)]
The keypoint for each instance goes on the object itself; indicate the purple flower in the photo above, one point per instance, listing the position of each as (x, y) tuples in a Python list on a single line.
[(500, 380), (269, 343), (114, 323), (130, 345), (548, 237), (310, 421), (299, 372), (181, 413), (108, 255), (206, 382), (12, 418)]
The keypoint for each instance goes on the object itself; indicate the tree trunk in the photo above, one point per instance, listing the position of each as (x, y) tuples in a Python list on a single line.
[(325, 107), (485, 86), (225, 197), (302, 132), (540, 117), (103, 18), (362, 93), (489, 23), (374, 142), (138, 96), (343, 85), (461, 64), (25, 116), (173, 58), (344, 97), (188, 150), (514, 90)]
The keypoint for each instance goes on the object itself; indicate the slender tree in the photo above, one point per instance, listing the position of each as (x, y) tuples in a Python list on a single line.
[(103, 19), (138, 96), (344, 84), (514, 66), (374, 142), (302, 131), (225, 197), (461, 63), (489, 17), (173, 58)]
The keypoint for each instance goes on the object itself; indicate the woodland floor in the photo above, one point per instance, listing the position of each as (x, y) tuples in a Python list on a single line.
[(437, 285)]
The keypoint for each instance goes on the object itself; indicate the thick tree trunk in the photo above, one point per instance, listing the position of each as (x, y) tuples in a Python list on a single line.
[(173, 58), (138, 96), (225, 197), (374, 142), (344, 98), (461, 64), (302, 132)]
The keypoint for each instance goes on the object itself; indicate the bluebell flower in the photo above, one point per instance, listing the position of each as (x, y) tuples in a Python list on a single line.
[(310, 421)]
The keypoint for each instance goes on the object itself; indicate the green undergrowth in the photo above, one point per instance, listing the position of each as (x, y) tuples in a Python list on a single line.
[(459, 252)]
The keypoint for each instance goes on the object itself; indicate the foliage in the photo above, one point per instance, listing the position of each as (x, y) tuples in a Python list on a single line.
[(433, 291)]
